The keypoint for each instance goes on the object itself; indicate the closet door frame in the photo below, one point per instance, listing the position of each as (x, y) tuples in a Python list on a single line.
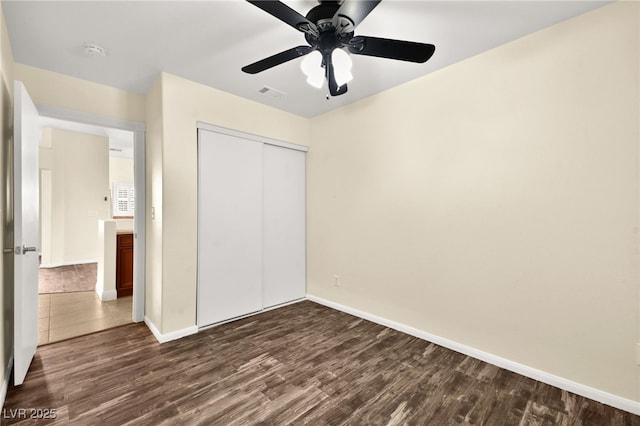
[(247, 137), (225, 131)]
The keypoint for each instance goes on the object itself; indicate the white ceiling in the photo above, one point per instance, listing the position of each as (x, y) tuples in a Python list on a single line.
[(209, 41)]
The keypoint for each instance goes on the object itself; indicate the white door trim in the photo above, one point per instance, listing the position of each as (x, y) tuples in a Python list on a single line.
[(249, 136), (139, 164)]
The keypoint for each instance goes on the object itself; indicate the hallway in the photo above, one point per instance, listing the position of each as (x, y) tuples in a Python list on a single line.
[(65, 315)]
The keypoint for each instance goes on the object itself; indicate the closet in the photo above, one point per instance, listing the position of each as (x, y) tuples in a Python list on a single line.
[(251, 224)]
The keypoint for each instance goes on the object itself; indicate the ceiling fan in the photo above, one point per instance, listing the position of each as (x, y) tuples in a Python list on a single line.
[(329, 30)]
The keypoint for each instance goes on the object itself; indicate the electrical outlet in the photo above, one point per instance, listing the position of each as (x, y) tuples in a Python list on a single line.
[(336, 280)]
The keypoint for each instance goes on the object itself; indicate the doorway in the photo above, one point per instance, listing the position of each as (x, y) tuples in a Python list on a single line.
[(70, 304), (82, 171)]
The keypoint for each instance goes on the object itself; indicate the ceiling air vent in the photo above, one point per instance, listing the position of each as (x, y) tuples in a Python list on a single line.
[(271, 92)]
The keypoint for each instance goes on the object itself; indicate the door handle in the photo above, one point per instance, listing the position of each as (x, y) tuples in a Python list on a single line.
[(26, 249)]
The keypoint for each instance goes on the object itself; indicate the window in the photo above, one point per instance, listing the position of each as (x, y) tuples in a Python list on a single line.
[(124, 200)]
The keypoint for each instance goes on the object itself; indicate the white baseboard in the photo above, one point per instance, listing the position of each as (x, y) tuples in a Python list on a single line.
[(542, 376), (174, 335), (73, 262), (105, 295), (5, 383)]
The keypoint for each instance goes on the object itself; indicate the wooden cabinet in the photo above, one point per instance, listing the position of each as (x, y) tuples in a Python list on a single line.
[(124, 265)]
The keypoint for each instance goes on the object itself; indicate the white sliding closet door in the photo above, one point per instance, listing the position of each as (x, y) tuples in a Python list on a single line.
[(229, 227), (283, 225)]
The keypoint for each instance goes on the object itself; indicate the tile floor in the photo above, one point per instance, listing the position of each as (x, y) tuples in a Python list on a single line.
[(65, 315)]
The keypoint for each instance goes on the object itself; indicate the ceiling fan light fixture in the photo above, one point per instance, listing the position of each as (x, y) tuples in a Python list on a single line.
[(311, 66), (341, 66), (316, 80)]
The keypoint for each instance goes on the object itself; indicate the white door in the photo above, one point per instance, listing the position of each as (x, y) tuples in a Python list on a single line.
[(229, 227), (26, 140), (283, 233)]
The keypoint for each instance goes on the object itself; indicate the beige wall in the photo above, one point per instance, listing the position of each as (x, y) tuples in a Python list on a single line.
[(495, 202), (50, 88), (48, 232), (184, 103), (6, 195), (120, 170), (153, 192), (79, 165)]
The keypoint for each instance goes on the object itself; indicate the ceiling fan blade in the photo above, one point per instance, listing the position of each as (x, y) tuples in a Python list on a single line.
[(277, 59), (356, 10), (286, 15), (393, 49)]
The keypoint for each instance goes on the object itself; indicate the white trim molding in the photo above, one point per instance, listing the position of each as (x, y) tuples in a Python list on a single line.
[(5, 383), (53, 111), (542, 376), (174, 335), (105, 295), (250, 136)]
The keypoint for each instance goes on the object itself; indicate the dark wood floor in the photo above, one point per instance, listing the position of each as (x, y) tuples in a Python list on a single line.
[(300, 364)]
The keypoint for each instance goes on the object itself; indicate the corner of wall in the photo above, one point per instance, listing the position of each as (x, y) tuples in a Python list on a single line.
[(154, 189), (167, 337)]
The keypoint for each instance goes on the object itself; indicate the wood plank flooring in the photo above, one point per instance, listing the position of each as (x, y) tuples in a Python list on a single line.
[(300, 364)]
